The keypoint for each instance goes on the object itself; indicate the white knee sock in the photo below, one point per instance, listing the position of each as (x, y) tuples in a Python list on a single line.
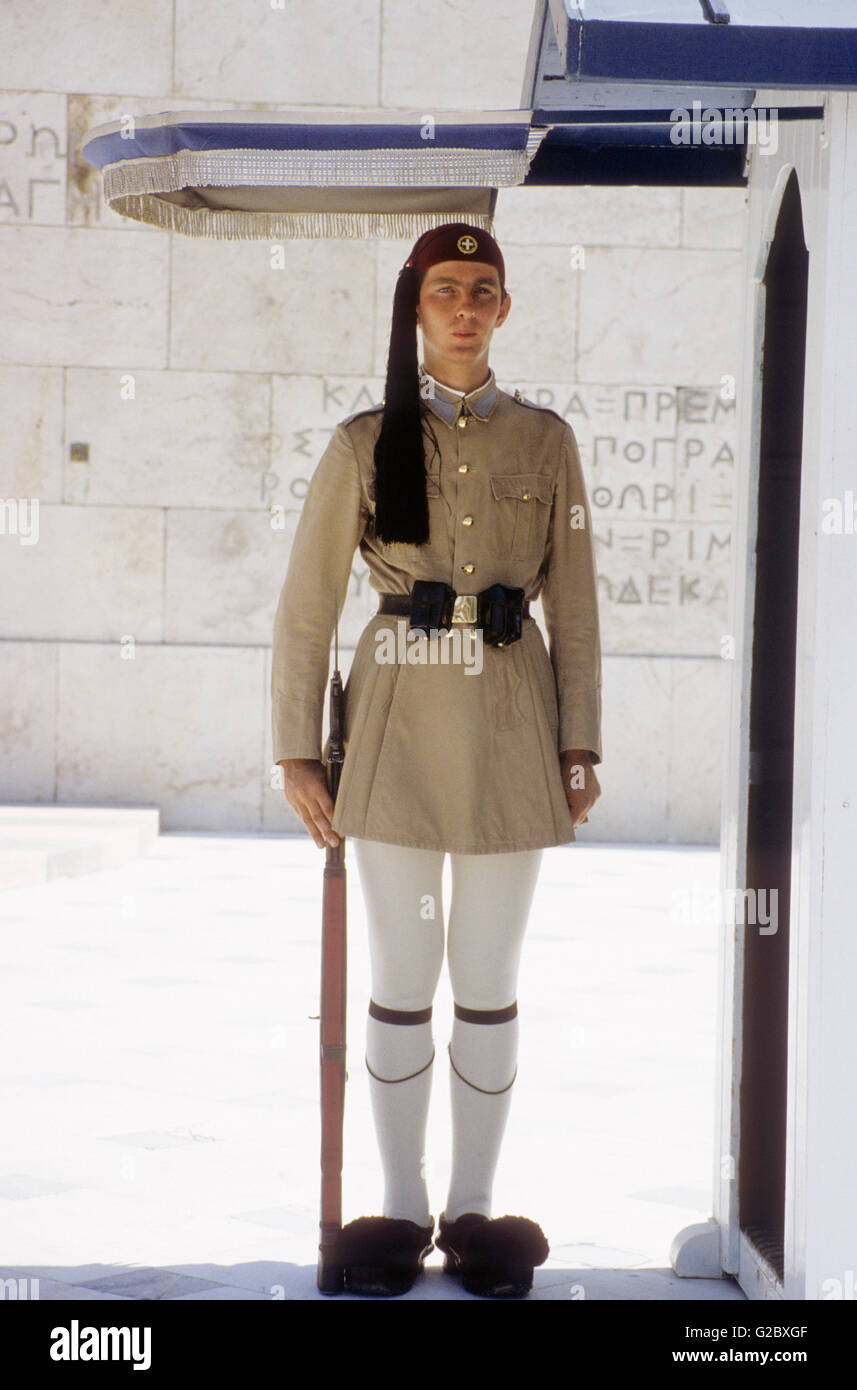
[(403, 889), (400, 1109), (491, 900), (486, 1055), (491, 897)]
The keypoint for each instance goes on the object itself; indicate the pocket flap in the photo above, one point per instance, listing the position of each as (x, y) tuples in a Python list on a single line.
[(524, 486)]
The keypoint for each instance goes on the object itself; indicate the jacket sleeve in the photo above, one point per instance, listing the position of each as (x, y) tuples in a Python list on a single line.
[(331, 526), (570, 605)]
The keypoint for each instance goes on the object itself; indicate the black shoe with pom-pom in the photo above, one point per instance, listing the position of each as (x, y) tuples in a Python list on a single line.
[(383, 1255), (494, 1257)]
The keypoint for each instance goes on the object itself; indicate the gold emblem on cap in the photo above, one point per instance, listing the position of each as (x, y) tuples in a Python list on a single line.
[(466, 244)]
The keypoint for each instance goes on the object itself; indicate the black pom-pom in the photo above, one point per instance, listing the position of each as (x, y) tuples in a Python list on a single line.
[(381, 1240), (513, 1240)]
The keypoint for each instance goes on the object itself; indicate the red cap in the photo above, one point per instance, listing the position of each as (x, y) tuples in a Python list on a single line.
[(456, 241)]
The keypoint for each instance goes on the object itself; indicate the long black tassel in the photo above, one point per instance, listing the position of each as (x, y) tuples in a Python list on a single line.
[(401, 506)]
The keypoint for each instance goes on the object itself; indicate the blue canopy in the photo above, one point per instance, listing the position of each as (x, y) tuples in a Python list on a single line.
[(309, 174), (603, 83)]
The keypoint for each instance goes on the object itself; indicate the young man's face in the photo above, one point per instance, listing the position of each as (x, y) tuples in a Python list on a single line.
[(459, 308)]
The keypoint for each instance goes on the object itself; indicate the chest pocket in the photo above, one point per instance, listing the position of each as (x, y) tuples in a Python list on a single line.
[(521, 507)]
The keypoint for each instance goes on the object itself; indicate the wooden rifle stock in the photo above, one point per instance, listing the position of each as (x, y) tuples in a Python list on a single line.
[(334, 957)]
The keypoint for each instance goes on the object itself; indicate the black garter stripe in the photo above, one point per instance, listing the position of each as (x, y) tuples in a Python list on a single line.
[(405, 1016), (487, 1015)]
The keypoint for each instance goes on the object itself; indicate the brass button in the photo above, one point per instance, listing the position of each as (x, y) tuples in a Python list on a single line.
[(525, 497), (462, 421), (467, 521), (468, 569), (464, 468)]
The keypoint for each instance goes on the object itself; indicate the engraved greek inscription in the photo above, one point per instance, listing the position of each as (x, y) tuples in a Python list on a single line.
[(598, 441)]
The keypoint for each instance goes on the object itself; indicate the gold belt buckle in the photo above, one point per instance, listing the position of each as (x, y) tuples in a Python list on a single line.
[(464, 609)]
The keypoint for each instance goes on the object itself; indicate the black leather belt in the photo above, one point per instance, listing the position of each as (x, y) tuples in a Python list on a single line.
[(401, 603), (394, 603), (432, 606)]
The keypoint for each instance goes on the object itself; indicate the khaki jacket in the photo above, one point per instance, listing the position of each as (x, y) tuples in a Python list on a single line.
[(440, 754)]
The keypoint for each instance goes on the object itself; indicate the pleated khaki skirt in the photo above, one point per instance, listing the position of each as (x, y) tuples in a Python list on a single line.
[(440, 755)]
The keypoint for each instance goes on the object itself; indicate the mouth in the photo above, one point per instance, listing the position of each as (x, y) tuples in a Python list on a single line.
[(463, 335)]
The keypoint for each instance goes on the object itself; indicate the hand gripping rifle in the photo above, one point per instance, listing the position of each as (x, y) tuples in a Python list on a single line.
[(334, 956)]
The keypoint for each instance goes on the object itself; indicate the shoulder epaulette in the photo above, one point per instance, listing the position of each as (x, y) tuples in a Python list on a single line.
[(367, 410), (521, 399)]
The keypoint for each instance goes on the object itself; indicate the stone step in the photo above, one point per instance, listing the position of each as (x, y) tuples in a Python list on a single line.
[(43, 842)]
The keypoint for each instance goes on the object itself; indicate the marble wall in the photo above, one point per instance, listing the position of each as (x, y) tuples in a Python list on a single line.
[(164, 399)]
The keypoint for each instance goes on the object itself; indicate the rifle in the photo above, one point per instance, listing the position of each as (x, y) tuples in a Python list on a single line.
[(334, 957)]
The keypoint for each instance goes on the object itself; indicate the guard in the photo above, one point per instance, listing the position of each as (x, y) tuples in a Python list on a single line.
[(463, 734)]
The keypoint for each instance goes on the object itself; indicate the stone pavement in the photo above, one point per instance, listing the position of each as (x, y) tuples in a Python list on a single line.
[(159, 1074)]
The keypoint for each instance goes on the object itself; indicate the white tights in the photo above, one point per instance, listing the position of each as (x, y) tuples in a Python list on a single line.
[(491, 897)]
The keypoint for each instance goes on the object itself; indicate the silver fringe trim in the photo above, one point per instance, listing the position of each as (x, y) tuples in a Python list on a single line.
[(316, 169), (288, 226), (535, 136), (132, 186)]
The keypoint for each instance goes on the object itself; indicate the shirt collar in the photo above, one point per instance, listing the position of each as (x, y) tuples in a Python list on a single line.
[(449, 403)]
